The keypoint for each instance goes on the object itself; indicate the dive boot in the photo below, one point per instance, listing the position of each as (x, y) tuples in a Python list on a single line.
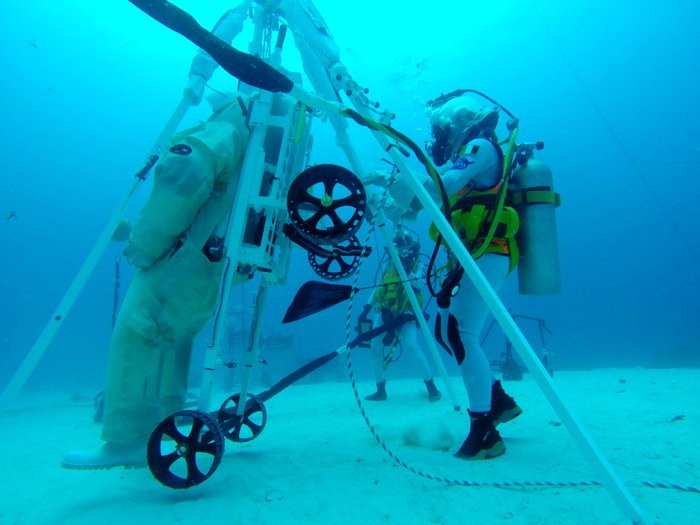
[(109, 455), (483, 441), (503, 407), (433, 393), (380, 394)]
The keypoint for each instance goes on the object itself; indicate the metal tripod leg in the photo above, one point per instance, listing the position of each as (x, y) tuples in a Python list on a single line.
[(417, 310), (253, 349), (201, 70), (56, 320)]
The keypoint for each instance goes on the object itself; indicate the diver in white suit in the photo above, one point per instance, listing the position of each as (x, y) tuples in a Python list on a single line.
[(464, 141)]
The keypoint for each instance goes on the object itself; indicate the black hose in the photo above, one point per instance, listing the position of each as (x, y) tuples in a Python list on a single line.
[(245, 67)]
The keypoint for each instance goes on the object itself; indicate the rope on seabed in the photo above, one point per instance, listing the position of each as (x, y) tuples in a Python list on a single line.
[(435, 477), (672, 486), (450, 481), (494, 484), (373, 431)]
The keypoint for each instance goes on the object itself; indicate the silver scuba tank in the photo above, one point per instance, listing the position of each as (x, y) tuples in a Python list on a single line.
[(533, 196)]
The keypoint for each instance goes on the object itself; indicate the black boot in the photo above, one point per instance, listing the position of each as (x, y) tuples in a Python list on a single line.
[(503, 407), (380, 394), (483, 441), (433, 393)]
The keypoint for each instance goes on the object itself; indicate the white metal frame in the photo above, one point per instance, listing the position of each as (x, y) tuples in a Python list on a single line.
[(329, 79)]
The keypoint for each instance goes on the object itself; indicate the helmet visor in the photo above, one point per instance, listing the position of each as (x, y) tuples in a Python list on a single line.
[(440, 149)]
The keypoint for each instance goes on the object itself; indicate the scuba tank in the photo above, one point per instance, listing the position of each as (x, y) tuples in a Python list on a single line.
[(532, 194)]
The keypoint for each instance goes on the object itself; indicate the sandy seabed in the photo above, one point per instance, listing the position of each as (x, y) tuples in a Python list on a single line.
[(316, 460)]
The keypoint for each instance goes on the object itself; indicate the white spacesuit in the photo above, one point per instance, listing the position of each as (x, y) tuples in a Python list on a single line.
[(463, 135), (464, 146)]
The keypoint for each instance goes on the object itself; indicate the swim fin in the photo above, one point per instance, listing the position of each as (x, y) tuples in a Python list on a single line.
[(315, 296)]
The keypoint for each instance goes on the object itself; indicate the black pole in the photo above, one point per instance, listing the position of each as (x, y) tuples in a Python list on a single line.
[(243, 66)]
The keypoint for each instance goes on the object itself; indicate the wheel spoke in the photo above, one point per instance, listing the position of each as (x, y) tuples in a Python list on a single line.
[(308, 198), (205, 448), (193, 472), (350, 200), (326, 264), (329, 185), (169, 429), (255, 429), (168, 460), (312, 222), (230, 423), (193, 436), (344, 265)]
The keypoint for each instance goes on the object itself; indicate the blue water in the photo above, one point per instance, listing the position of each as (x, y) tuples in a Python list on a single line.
[(610, 89)]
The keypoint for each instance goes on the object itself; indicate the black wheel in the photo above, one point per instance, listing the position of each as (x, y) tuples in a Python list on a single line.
[(326, 203), (185, 449), (337, 265), (246, 427)]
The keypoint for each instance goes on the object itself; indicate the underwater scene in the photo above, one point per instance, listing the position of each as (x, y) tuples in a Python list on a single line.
[(295, 261)]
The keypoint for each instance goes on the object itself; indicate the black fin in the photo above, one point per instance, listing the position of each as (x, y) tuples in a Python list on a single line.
[(315, 296)]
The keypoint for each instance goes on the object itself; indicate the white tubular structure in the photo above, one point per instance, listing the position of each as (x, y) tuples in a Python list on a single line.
[(200, 71), (203, 66), (280, 129), (321, 60), (327, 75), (417, 310), (56, 320), (589, 449), (276, 152), (253, 349)]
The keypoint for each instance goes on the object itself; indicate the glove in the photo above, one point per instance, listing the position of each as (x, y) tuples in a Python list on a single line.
[(378, 177), (365, 312), (122, 231), (138, 257)]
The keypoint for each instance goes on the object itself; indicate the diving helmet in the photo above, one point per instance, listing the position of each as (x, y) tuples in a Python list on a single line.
[(407, 244), (455, 123)]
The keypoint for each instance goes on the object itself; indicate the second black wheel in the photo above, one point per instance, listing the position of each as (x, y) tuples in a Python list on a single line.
[(337, 265), (248, 425)]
